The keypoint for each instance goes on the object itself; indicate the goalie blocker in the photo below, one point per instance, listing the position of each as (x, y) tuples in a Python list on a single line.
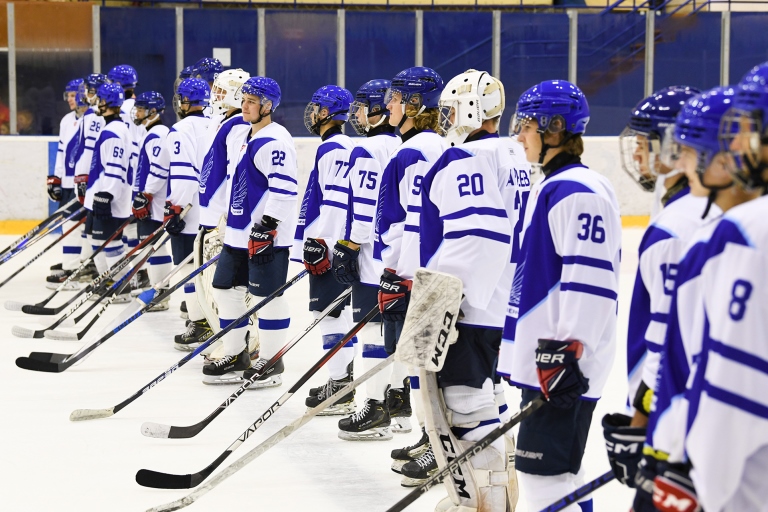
[(459, 402)]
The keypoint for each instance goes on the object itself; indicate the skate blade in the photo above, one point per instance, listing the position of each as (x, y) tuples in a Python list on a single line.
[(72, 286), (186, 348), (158, 307), (397, 465), (185, 316), (415, 482), (337, 410), (227, 378), (401, 425), (270, 382), (373, 434)]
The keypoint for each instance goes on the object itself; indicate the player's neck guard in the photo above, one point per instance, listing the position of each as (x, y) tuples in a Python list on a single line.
[(410, 134), (384, 128), (559, 161), (330, 132)]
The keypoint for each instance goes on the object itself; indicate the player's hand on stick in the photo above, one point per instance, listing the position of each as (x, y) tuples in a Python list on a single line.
[(54, 187), (673, 490), (141, 205), (316, 256), (557, 366), (345, 267), (81, 186), (394, 294), (174, 224), (624, 445), (102, 205), (261, 244)]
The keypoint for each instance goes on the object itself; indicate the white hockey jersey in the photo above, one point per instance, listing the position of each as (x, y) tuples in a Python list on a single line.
[(109, 169), (366, 165), (137, 133), (218, 166), (323, 213), (659, 254), (183, 155), (728, 405), (264, 183), (64, 168), (464, 227), (90, 128), (566, 282), (396, 240), (151, 176)]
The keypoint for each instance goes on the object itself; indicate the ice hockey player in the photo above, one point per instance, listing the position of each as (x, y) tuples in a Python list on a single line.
[(465, 225), (261, 221), (354, 265), (183, 154), (564, 294), (108, 197), (61, 184), (322, 221), (151, 182), (207, 68), (412, 102)]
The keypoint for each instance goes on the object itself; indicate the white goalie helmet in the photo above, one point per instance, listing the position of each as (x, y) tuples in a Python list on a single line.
[(467, 100), (226, 91)]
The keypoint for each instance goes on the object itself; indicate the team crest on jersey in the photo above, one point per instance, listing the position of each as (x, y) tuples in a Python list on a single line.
[(206, 171), (239, 192), (517, 287)]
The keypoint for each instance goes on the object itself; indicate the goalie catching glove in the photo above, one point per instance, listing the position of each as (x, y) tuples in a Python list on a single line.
[(261, 244), (345, 266), (141, 205), (316, 256), (81, 187), (557, 366), (394, 294), (54, 188)]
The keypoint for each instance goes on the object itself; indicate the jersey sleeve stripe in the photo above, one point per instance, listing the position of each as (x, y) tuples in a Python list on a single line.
[(110, 164), (363, 218), (736, 401), (589, 289), (363, 200), (282, 191), (181, 177), (466, 212), (412, 229), (116, 176), (184, 164), (414, 209), (660, 317), (588, 262), (337, 188), (482, 233), (335, 204), (740, 356), (159, 167), (282, 177)]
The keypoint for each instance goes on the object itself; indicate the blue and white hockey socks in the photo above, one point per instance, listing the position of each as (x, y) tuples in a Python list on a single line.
[(231, 304), (542, 491), (107, 258), (130, 236), (72, 247), (274, 320), (373, 353), (160, 265), (333, 330)]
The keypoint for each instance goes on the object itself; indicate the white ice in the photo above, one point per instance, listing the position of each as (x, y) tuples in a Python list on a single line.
[(48, 463)]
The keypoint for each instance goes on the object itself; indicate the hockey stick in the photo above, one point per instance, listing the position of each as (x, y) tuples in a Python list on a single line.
[(464, 457), (157, 430), (92, 414), (271, 441), (56, 363), (581, 492), (27, 264), (32, 241), (12, 305), (149, 478), (32, 232)]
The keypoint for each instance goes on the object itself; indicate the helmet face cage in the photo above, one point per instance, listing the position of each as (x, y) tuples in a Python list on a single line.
[(413, 99), (311, 118), (640, 156), (336, 101), (360, 115), (226, 92), (741, 135)]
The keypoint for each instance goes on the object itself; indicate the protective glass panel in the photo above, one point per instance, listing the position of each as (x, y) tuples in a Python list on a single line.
[(457, 41), (145, 39), (688, 51), (611, 68), (749, 42), (53, 46), (301, 57), (534, 48), (231, 32)]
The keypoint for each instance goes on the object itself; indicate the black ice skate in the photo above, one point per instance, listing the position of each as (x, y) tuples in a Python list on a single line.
[(184, 313), (417, 471), (140, 282), (399, 405), (57, 277), (371, 423), (197, 333), (227, 370), (271, 379), (344, 405), (163, 305), (402, 456), (88, 274)]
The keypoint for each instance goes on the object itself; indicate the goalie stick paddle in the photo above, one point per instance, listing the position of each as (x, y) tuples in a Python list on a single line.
[(57, 363), (32, 232), (156, 479), (271, 441), (92, 414), (464, 457), (13, 305), (157, 430), (581, 492)]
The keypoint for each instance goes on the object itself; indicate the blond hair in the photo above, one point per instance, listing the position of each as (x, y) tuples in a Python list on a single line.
[(427, 120)]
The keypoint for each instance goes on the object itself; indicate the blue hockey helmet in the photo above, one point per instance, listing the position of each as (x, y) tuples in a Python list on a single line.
[(652, 119), (186, 72), (418, 86), (110, 96), (196, 92), (145, 103), (124, 75), (555, 105), (369, 102), (207, 68), (265, 88), (334, 99), (744, 129), (72, 86), (87, 92)]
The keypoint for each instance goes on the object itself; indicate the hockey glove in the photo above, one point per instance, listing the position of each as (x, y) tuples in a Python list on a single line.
[(261, 244), (54, 188), (394, 294), (141, 205), (624, 445), (345, 266), (316, 256), (557, 366), (646, 473), (102, 205), (81, 186), (174, 224), (673, 489)]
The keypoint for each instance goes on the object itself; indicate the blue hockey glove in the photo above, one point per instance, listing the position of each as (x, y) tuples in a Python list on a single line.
[(624, 445), (316, 256), (102, 205), (142, 204), (646, 473), (394, 294), (345, 266), (557, 366), (174, 224), (261, 244)]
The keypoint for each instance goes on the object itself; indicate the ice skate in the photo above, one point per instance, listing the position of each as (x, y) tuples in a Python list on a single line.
[(344, 405), (402, 456), (399, 406), (197, 333), (271, 379), (417, 471), (227, 370), (183, 309), (88, 274), (371, 423), (163, 305), (54, 280)]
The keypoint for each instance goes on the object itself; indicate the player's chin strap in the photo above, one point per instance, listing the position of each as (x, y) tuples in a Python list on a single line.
[(713, 191), (384, 116), (262, 115), (326, 119)]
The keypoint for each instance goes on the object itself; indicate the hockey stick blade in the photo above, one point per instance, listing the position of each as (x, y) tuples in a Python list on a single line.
[(12, 305), (34, 309), (581, 492), (49, 357), (91, 414), (62, 335), (27, 363), (23, 332)]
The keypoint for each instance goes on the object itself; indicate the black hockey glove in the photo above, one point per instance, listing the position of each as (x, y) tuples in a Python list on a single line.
[(624, 445), (81, 187), (54, 188), (142, 204), (174, 224), (345, 266), (557, 366), (261, 244), (646, 473), (102, 205), (394, 294), (673, 490), (316, 256)]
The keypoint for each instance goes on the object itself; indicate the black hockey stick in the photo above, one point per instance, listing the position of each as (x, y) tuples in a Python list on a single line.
[(92, 414), (56, 363), (150, 429), (32, 241), (12, 305), (581, 492), (271, 441), (149, 478), (27, 264), (32, 232), (464, 457)]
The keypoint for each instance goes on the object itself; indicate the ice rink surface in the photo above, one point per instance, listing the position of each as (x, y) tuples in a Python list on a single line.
[(54, 465)]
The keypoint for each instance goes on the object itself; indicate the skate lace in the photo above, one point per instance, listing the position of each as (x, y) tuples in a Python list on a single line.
[(223, 361), (330, 388), (190, 329), (259, 366), (359, 415), (426, 460)]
